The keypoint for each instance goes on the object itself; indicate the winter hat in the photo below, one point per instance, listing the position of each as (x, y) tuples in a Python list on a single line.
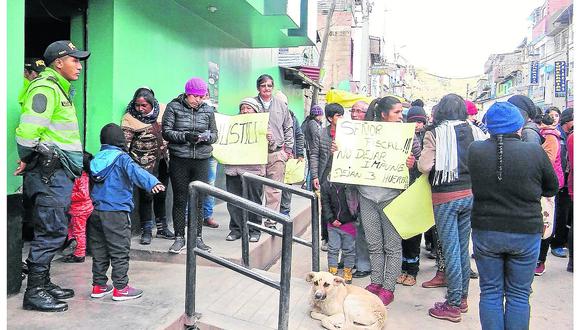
[(471, 108), (416, 114), (503, 118), (566, 116), (113, 135), (196, 86), (316, 110), (251, 102), (524, 103)]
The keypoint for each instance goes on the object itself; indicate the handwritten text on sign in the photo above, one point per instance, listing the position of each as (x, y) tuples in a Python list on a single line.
[(241, 139), (372, 153)]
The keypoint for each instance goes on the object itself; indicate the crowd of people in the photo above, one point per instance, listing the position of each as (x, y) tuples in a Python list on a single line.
[(488, 178)]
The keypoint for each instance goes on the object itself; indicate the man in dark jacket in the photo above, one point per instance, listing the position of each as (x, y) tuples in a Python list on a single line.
[(190, 128), (321, 159), (530, 131)]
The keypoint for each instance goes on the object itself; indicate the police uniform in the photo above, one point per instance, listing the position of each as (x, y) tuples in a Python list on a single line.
[(48, 141)]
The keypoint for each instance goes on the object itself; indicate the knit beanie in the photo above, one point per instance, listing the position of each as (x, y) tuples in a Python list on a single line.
[(416, 114), (524, 103), (471, 108), (503, 118), (113, 135), (196, 86), (251, 102), (316, 110), (566, 116)]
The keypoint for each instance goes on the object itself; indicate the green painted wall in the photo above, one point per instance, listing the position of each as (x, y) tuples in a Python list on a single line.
[(15, 67), (137, 43), (133, 45), (14, 82)]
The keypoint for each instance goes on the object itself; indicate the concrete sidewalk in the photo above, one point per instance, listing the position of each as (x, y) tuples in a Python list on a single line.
[(551, 302), (228, 300)]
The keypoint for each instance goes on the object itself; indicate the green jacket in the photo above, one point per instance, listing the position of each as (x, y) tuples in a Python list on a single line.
[(49, 116)]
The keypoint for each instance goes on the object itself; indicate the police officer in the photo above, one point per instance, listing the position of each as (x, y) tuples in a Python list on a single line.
[(51, 155), (32, 68)]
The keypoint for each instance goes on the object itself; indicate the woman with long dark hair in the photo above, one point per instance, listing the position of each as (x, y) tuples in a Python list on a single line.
[(508, 178), (142, 127), (384, 241), (444, 159)]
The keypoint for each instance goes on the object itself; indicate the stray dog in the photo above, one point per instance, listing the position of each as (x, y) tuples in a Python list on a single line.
[(342, 306)]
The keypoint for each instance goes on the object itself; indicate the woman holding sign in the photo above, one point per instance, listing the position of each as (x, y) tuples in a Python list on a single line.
[(385, 249), (234, 185), (444, 159), (508, 176)]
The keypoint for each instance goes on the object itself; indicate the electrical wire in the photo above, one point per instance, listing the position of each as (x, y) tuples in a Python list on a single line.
[(49, 13)]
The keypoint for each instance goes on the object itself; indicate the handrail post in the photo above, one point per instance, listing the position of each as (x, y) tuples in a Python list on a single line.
[(285, 274), (245, 230), (191, 264), (315, 214)]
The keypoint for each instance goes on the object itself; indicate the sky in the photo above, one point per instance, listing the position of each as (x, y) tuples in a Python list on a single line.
[(451, 38)]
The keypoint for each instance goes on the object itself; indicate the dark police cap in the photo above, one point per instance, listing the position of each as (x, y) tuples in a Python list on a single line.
[(63, 48), (34, 64)]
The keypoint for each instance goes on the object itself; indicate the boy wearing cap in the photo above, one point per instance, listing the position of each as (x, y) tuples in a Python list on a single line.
[(51, 156), (190, 128), (114, 173)]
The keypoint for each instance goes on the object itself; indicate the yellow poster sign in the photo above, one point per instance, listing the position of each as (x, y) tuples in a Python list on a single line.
[(294, 171), (241, 139), (372, 153), (411, 213)]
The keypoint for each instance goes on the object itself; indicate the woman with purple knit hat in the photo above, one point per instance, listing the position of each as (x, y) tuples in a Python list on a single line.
[(190, 128)]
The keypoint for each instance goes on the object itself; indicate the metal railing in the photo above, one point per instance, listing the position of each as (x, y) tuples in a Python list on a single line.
[(314, 213), (197, 187)]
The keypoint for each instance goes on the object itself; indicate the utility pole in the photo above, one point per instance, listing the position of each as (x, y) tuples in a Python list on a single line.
[(323, 49), (364, 65)]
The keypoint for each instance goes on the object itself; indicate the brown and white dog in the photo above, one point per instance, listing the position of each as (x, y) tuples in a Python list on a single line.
[(342, 306)]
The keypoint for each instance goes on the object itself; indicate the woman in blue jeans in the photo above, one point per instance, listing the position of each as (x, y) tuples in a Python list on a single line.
[(444, 159), (508, 178)]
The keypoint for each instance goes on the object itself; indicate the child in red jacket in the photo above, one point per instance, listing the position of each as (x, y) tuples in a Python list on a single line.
[(80, 209)]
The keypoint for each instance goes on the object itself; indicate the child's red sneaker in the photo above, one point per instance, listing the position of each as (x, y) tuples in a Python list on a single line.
[(99, 291), (127, 293)]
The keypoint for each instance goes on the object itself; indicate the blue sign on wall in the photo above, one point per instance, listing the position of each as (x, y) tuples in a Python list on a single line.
[(534, 72), (560, 78)]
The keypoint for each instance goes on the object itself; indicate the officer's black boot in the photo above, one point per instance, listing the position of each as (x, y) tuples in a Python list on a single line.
[(36, 297), (55, 290)]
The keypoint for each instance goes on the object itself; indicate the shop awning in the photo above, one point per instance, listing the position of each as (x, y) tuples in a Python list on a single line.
[(303, 75)]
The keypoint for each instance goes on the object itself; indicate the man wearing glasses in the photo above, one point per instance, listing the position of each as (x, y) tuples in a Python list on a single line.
[(280, 140), (359, 110), (363, 263)]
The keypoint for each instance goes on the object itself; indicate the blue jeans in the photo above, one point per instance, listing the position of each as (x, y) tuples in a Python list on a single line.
[(363, 261), (453, 220), (209, 201), (506, 263), (340, 240)]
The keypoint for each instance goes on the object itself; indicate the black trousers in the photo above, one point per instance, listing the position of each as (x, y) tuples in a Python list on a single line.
[(234, 186), (411, 251), (182, 171), (51, 202), (563, 219), (109, 236), (153, 202)]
